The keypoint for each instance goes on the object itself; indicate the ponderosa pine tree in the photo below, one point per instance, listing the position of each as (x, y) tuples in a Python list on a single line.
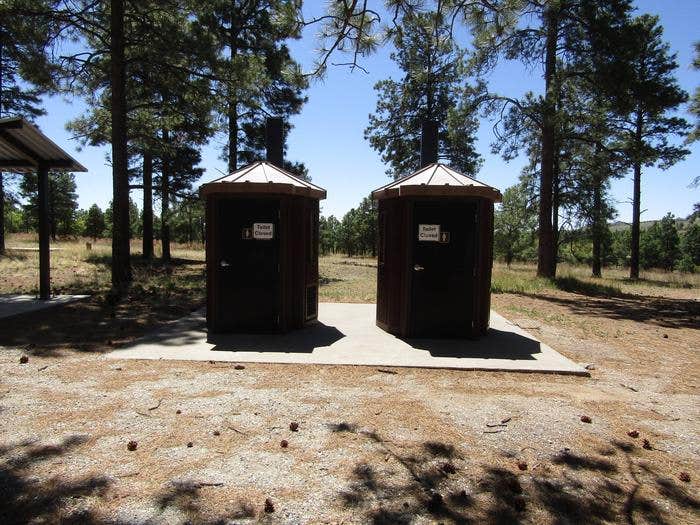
[(515, 223), (104, 35), (644, 102), (176, 171), (594, 161), (254, 74), (329, 235), (94, 222), (168, 101), (63, 202), (554, 34), (660, 246), (695, 102), (548, 33), (23, 62), (432, 88)]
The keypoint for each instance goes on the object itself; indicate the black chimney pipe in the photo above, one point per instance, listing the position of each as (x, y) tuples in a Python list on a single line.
[(429, 143), (274, 141)]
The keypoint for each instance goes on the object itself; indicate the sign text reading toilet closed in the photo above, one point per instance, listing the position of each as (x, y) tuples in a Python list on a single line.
[(263, 230), (429, 232)]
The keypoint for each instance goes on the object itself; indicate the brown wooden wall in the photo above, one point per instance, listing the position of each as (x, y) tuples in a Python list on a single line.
[(394, 271), (392, 265), (298, 237), (299, 215)]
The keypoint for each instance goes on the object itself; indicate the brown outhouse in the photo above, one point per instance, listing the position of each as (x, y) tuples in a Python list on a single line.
[(435, 250), (262, 246)]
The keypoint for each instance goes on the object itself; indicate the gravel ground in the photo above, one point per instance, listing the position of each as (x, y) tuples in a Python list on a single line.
[(414, 446)]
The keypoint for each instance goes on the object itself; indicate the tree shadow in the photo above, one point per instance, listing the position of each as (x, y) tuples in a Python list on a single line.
[(343, 427), (102, 322), (12, 254), (186, 498), (325, 281), (585, 490), (661, 311), (577, 462), (424, 493), (591, 289), (355, 263), (26, 499), (645, 281), (671, 490), (138, 262)]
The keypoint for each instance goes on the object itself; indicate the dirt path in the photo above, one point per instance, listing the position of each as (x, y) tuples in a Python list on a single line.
[(415, 446)]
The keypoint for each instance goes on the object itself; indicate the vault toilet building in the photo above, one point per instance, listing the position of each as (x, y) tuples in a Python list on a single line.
[(262, 246), (435, 250)]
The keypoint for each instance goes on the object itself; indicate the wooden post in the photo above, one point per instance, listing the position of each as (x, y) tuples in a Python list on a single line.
[(44, 255)]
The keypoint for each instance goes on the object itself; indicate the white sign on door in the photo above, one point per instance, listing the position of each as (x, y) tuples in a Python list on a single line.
[(263, 230), (429, 232)]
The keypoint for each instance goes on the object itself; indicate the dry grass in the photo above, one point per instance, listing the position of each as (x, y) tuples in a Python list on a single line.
[(160, 292), (519, 278), (74, 268), (348, 279), (372, 447)]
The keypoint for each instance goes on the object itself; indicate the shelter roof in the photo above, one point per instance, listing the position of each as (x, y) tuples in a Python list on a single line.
[(23, 148)]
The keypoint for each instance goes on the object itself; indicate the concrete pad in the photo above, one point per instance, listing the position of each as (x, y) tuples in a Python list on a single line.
[(11, 305), (345, 334)]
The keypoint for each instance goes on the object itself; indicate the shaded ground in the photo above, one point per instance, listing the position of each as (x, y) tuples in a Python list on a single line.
[(160, 293), (373, 445), (409, 447)]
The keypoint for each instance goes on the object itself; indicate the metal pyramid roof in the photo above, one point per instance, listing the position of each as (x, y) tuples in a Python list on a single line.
[(437, 180), (262, 177)]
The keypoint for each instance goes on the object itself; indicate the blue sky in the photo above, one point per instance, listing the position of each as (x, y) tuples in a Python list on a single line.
[(328, 134)]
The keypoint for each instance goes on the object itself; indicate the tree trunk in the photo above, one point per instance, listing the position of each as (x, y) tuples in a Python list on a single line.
[(165, 203), (232, 100), (190, 233), (597, 263), (636, 198), (636, 201), (546, 249), (2, 42), (147, 205), (121, 263), (2, 188), (2, 216), (232, 137), (556, 190)]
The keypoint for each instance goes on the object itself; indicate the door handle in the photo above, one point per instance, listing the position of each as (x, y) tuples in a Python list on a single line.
[(224, 264), (418, 268)]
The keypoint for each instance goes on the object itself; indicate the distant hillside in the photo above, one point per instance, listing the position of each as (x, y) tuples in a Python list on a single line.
[(644, 225)]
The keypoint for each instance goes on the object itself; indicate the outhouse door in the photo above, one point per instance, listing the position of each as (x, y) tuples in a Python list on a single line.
[(442, 268), (248, 265)]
